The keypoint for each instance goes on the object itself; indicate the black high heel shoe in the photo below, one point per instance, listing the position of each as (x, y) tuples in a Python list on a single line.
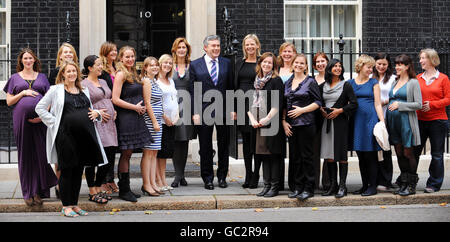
[(146, 193), (175, 182), (183, 182)]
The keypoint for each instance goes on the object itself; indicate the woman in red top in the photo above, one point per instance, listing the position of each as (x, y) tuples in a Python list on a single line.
[(433, 119)]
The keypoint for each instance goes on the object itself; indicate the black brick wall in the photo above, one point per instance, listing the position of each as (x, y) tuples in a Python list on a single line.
[(263, 18), (34, 22), (5, 126), (391, 26), (406, 26), (386, 26)]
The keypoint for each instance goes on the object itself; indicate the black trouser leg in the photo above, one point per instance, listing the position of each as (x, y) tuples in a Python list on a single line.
[(93, 178), (90, 176), (206, 152), (223, 141), (255, 178), (295, 161), (101, 174), (306, 153), (179, 158), (292, 167), (248, 156), (70, 184), (302, 157)]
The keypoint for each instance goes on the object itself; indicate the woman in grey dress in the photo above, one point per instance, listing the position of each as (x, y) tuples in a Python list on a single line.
[(340, 102), (184, 131)]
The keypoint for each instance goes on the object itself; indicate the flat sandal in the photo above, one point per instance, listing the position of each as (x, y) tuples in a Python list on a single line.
[(97, 198), (72, 214)]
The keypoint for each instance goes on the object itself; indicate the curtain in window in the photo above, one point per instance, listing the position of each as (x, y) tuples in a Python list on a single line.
[(295, 25), (344, 21)]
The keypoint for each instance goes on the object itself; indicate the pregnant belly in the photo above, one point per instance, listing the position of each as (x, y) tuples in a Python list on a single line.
[(26, 106), (78, 120)]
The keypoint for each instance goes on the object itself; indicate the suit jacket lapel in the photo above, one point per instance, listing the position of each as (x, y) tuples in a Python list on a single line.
[(222, 70), (204, 69)]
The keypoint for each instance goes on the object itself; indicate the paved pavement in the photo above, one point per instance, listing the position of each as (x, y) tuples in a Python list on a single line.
[(195, 197)]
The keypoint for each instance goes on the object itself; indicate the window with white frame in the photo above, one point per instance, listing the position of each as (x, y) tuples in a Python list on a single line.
[(4, 39), (318, 24)]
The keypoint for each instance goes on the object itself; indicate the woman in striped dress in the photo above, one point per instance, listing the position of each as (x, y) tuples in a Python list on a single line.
[(153, 120)]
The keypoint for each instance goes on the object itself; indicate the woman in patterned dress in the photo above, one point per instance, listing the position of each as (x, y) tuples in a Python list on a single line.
[(153, 120)]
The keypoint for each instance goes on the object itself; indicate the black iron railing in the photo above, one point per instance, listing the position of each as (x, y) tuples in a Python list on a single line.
[(442, 46)]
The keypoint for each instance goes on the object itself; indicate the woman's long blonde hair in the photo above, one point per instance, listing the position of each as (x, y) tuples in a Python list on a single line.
[(130, 76), (60, 77)]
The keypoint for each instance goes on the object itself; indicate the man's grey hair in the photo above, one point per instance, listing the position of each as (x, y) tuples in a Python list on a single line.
[(210, 38)]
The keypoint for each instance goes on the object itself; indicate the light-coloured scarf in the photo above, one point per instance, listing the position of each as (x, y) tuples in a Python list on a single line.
[(259, 85)]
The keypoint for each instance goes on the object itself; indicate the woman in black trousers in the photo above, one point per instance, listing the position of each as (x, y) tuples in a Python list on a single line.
[(302, 96), (339, 103), (265, 116), (244, 79)]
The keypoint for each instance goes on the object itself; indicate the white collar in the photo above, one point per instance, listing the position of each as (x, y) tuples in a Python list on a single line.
[(431, 79), (209, 59)]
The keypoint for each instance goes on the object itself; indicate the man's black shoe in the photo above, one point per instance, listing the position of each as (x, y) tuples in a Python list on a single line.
[(209, 186), (294, 194), (223, 183), (305, 195)]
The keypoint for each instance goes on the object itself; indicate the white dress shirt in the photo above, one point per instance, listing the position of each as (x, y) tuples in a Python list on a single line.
[(209, 64)]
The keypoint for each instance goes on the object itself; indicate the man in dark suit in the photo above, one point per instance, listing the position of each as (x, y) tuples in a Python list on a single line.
[(211, 77)]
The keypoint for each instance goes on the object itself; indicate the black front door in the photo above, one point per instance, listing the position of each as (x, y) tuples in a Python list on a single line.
[(148, 26)]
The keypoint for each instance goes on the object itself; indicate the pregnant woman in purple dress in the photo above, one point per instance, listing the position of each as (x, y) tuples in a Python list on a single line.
[(23, 91)]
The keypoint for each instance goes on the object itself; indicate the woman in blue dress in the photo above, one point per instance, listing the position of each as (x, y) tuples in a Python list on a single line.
[(368, 114), (405, 99)]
